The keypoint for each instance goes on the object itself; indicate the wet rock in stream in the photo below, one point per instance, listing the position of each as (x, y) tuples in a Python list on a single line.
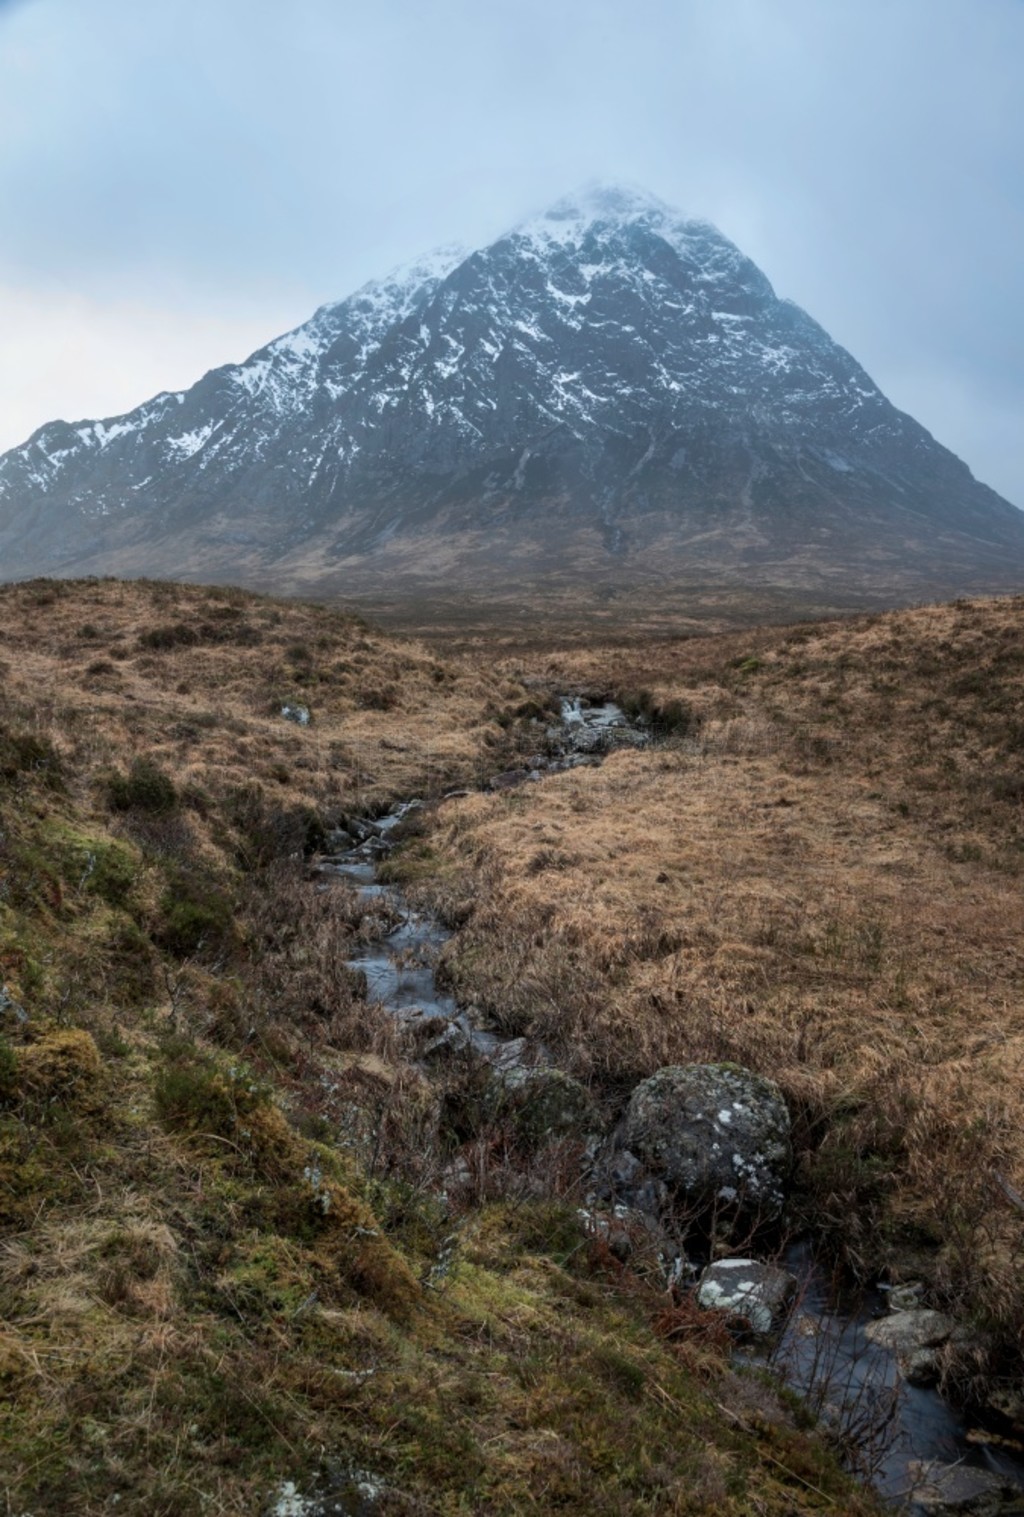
[(955, 1488), (587, 728), (443, 1041), (756, 1294), (904, 1331), (916, 1335)]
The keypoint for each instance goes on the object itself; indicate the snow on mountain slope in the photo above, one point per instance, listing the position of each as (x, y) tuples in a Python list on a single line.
[(240, 408), (606, 373)]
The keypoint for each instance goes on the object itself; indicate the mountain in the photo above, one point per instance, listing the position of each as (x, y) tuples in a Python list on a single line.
[(609, 392)]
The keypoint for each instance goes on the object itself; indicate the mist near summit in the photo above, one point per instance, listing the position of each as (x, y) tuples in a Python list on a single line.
[(179, 183)]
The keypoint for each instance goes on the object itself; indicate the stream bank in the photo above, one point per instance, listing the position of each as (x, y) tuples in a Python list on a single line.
[(916, 1448)]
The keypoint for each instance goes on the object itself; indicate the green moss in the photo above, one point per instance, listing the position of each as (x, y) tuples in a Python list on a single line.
[(298, 1194), (100, 866), (541, 1227), (193, 1094), (268, 1276), (63, 1068)]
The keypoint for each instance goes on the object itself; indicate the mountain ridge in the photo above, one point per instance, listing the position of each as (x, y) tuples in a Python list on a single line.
[(609, 386)]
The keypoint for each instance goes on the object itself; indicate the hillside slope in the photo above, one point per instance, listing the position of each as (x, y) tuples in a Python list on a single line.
[(230, 1276)]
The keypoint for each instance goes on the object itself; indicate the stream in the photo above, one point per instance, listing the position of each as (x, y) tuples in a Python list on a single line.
[(822, 1350)]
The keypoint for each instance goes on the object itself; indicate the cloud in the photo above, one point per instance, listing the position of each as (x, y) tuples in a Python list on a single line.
[(68, 356), (864, 152)]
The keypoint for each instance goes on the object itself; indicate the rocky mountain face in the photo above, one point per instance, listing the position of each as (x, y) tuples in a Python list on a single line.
[(608, 392)]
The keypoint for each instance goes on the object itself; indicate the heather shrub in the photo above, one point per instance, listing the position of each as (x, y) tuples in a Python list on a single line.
[(144, 788)]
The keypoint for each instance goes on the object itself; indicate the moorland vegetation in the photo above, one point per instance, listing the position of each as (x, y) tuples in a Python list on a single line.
[(816, 873), (232, 1253)]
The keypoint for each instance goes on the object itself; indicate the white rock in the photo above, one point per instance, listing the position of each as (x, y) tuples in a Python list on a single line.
[(745, 1288)]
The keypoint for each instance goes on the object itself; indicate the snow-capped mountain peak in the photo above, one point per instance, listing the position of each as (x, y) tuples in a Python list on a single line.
[(595, 203), (608, 378)]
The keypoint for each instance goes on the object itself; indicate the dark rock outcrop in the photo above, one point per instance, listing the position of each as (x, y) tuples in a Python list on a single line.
[(541, 1104)]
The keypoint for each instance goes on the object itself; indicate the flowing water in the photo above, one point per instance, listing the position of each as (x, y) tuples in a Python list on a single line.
[(822, 1352)]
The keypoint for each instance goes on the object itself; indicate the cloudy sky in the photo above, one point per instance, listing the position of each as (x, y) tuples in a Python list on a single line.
[(180, 182)]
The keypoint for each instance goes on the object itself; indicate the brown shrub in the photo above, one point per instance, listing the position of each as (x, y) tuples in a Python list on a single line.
[(62, 1067)]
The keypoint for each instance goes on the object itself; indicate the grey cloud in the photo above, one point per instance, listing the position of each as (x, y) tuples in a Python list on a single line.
[(866, 154)]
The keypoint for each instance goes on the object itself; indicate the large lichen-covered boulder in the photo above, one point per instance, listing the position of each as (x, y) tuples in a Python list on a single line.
[(719, 1134)]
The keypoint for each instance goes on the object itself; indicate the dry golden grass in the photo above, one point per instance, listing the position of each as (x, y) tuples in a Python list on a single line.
[(195, 679), (823, 882), (226, 1253)]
